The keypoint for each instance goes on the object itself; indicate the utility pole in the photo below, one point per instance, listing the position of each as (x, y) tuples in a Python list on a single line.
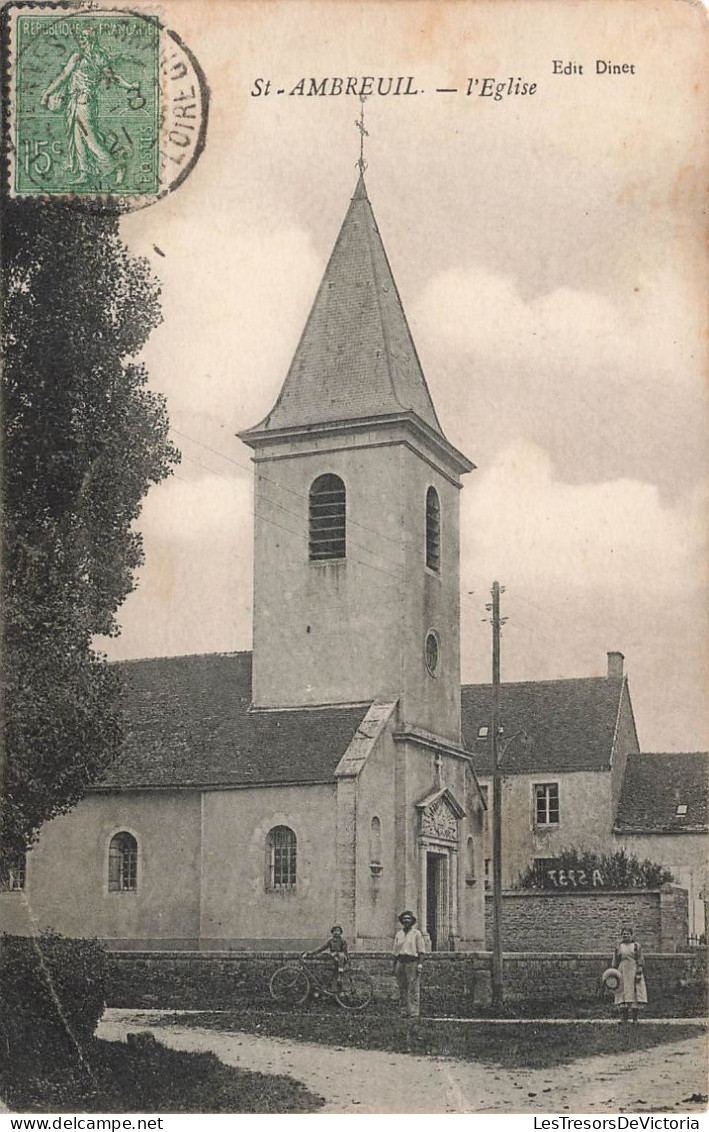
[(497, 984)]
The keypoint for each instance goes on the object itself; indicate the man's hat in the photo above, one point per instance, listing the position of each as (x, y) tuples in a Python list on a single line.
[(404, 915)]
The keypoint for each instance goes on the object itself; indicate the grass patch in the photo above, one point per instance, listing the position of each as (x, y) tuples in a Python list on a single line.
[(686, 1006), (115, 1077), (538, 1046)]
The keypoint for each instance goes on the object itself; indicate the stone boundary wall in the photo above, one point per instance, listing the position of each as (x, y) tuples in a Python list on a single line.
[(677, 984), (453, 984), (224, 980), (590, 919)]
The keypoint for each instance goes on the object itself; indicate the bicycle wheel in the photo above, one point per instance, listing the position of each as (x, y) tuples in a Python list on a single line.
[(290, 985), (356, 990)]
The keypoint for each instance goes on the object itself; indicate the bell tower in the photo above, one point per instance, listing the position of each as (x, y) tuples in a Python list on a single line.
[(356, 555)]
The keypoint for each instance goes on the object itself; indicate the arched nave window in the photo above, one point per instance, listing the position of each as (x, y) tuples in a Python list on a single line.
[(123, 863), (281, 857)]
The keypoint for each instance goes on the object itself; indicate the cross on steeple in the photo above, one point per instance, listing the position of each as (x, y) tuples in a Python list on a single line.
[(359, 123)]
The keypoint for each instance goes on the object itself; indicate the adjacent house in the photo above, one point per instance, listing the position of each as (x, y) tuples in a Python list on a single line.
[(563, 749), (663, 814), (573, 777)]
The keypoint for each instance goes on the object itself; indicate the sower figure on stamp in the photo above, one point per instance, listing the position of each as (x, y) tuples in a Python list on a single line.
[(75, 90), (409, 949)]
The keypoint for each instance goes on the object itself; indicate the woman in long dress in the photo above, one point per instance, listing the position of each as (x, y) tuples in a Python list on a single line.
[(632, 992)]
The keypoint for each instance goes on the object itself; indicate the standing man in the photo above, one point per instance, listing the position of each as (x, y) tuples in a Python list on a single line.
[(409, 949)]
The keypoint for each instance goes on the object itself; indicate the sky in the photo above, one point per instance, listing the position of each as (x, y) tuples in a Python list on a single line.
[(549, 250)]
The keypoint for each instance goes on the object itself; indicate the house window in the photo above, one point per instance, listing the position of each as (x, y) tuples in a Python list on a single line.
[(327, 519), (682, 810), (546, 803), (123, 863), (281, 845), (12, 872), (488, 874), (433, 530)]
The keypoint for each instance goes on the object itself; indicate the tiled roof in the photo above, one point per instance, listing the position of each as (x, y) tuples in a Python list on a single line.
[(356, 358), (188, 724), (654, 785), (569, 724)]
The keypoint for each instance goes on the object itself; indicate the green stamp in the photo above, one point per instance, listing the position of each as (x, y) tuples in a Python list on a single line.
[(87, 114)]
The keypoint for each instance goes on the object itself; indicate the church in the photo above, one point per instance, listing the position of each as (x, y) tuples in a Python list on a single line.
[(262, 797)]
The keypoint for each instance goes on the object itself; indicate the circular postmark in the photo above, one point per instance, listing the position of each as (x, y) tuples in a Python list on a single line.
[(106, 107)]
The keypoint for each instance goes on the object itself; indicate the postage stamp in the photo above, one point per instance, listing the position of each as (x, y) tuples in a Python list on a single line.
[(103, 104)]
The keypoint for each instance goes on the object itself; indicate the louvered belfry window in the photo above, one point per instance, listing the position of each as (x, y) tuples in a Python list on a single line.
[(327, 537), (433, 530)]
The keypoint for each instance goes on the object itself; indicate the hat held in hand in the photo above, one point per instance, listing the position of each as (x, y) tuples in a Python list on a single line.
[(611, 978)]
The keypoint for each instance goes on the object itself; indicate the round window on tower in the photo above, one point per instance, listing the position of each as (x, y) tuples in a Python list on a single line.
[(432, 652)]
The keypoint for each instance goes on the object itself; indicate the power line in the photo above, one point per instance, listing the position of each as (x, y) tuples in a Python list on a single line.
[(297, 534), (277, 483)]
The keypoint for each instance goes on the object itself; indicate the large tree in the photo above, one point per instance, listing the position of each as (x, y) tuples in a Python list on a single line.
[(84, 439)]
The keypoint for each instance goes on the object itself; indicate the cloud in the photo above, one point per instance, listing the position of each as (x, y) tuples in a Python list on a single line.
[(650, 330), (194, 591), (234, 303), (588, 568), (522, 522)]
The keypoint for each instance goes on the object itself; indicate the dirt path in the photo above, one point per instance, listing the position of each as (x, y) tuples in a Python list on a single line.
[(370, 1081)]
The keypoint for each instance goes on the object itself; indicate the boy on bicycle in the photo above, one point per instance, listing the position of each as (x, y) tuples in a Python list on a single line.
[(336, 947)]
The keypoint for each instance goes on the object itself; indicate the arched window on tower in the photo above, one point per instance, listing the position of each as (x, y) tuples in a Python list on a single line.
[(123, 863), (433, 530), (327, 519), (281, 857)]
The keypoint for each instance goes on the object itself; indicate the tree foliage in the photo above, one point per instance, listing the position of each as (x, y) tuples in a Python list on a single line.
[(84, 439), (619, 869)]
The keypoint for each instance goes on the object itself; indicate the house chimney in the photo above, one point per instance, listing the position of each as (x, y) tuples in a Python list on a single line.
[(615, 665)]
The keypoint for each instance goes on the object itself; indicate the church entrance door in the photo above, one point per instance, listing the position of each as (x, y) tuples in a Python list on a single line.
[(438, 868), (437, 924)]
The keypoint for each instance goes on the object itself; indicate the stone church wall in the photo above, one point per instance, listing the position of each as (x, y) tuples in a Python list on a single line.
[(376, 905), (67, 871), (238, 908)]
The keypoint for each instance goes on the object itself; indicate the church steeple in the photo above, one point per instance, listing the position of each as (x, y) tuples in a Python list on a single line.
[(356, 358), (356, 572)]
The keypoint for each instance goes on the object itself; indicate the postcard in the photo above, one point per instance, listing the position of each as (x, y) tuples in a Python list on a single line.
[(355, 590)]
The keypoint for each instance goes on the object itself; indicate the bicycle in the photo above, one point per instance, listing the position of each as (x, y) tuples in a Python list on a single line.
[(293, 983)]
